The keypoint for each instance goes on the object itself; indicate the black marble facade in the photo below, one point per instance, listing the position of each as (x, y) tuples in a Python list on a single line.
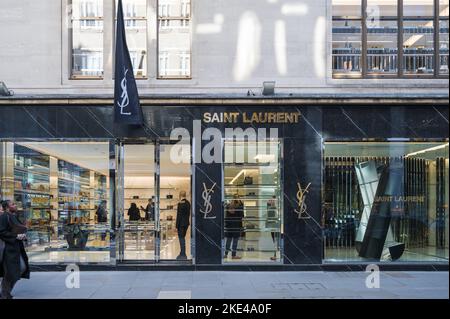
[(302, 153)]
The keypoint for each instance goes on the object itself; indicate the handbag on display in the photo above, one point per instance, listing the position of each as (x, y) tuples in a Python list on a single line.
[(248, 180), (169, 196)]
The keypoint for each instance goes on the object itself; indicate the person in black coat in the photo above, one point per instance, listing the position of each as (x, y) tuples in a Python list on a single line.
[(134, 213), (182, 223), (233, 226), (15, 261), (149, 210)]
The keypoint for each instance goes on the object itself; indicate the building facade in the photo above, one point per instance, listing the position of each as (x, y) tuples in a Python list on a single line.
[(346, 162)]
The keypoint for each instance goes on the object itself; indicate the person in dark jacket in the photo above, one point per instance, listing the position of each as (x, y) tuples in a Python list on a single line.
[(182, 223), (149, 210), (233, 226), (15, 260), (134, 213)]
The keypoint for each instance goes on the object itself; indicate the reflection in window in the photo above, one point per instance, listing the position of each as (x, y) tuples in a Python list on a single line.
[(418, 37), (135, 16), (443, 36), (418, 46), (253, 201), (396, 192), (61, 191), (382, 44), (381, 23), (174, 38), (87, 38), (347, 36)]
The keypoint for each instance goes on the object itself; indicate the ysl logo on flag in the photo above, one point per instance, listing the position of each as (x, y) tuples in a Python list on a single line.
[(124, 96), (127, 107), (207, 206), (301, 202)]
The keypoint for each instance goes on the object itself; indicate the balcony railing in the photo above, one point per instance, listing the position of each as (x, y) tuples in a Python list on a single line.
[(417, 61)]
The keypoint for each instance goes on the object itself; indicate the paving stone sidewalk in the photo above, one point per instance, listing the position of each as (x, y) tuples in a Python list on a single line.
[(234, 285)]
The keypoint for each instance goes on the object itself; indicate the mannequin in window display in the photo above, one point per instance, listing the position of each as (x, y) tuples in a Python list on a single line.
[(182, 223), (134, 214), (272, 223), (233, 226)]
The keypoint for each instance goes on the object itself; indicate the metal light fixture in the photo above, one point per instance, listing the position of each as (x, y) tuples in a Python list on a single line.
[(4, 90), (269, 88)]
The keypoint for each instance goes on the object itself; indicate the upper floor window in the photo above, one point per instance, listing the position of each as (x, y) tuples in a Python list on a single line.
[(174, 39), (87, 38), (390, 38)]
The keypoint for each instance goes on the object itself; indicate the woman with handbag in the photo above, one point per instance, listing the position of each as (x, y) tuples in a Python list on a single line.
[(14, 264)]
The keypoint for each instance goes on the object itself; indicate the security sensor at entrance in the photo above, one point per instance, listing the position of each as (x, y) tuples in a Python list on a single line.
[(269, 88)]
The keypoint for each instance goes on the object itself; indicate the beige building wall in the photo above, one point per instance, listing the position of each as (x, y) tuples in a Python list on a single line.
[(236, 45)]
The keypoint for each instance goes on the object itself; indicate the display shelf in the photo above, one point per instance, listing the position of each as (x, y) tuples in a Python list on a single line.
[(252, 186), (250, 165), (73, 190)]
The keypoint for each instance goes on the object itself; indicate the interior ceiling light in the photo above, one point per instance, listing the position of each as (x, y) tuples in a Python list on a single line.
[(428, 150), (237, 176)]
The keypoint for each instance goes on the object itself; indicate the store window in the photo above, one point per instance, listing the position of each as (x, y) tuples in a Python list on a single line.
[(386, 201), (382, 33), (87, 39), (253, 202), (443, 37), (347, 37), (135, 17), (397, 38), (62, 195), (418, 37), (174, 39)]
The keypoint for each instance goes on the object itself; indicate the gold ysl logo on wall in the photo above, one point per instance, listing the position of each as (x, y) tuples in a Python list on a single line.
[(302, 209), (207, 206)]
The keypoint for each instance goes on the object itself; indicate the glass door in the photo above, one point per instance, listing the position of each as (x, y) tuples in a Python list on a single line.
[(154, 188), (175, 201), (137, 202), (253, 201)]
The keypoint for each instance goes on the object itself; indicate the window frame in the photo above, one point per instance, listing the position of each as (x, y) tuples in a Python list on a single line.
[(158, 30), (400, 74), (70, 20)]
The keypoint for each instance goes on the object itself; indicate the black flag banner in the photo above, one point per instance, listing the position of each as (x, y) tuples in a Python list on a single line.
[(127, 108)]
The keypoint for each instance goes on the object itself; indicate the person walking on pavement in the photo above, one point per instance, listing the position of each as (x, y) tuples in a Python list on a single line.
[(14, 264)]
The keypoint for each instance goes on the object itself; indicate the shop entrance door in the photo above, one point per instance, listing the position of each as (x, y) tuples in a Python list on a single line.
[(153, 178)]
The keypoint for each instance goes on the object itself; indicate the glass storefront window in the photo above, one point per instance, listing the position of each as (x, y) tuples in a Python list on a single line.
[(443, 37), (418, 46), (174, 38), (386, 201), (347, 46), (347, 37), (378, 39), (415, 8), (135, 16), (252, 201), (62, 194), (87, 38), (382, 39)]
